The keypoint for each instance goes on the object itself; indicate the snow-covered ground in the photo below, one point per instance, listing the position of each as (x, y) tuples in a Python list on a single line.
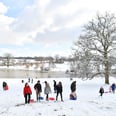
[(56, 67), (88, 102)]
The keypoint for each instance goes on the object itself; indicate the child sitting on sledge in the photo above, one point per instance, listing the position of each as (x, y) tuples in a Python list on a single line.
[(5, 86), (73, 96)]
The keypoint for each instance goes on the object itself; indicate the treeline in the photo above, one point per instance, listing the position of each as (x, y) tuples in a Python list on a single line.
[(39, 58)]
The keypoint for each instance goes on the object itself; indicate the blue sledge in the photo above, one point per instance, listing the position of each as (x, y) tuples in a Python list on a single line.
[(41, 98), (73, 98)]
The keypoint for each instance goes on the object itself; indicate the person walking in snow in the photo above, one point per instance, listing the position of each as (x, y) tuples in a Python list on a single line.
[(27, 93), (113, 87), (101, 91), (59, 89), (73, 86), (29, 80), (38, 90), (47, 90), (32, 80)]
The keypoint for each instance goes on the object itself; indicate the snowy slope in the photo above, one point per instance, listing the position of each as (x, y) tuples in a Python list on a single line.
[(88, 103)]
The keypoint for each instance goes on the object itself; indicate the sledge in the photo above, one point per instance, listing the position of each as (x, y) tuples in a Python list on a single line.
[(51, 98), (32, 100), (41, 98), (73, 98), (6, 88), (107, 92)]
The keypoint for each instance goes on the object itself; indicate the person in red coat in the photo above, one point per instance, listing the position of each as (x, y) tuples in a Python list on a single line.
[(27, 93)]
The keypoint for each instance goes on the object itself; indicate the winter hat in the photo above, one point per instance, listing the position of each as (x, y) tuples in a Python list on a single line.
[(38, 81), (45, 81)]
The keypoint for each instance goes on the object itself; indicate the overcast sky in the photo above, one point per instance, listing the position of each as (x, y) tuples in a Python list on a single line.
[(45, 27)]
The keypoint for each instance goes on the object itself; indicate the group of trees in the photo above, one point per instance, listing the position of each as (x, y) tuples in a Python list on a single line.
[(94, 51), (9, 60)]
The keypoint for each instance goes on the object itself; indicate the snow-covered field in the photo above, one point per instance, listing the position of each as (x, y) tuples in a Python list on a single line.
[(88, 102), (56, 67)]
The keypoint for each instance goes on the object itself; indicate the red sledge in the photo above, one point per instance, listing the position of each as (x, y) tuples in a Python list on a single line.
[(32, 100), (6, 88), (51, 98)]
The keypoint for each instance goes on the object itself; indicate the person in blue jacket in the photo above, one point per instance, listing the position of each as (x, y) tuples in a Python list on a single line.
[(113, 87)]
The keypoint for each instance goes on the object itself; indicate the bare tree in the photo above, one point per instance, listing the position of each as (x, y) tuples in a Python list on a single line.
[(99, 40), (83, 59), (8, 59)]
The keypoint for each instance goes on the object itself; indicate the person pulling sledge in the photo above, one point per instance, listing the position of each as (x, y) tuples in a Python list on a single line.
[(101, 91), (113, 87)]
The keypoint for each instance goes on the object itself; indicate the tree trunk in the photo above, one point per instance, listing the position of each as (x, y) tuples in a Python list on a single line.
[(106, 76), (106, 64)]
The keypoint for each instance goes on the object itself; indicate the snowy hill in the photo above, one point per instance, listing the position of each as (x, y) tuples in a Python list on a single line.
[(88, 102)]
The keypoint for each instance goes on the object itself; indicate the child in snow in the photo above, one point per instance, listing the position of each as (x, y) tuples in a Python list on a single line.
[(47, 90), (113, 87), (101, 91), (5, 86), (73, 96), (27, 93)]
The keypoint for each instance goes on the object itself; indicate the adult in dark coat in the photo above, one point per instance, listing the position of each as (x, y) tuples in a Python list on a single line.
[(73, 86), (59, 89), (54, 86), (38, 89), (101, 91)]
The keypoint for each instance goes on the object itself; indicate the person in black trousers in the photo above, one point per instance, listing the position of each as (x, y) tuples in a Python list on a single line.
[(54, 86), (27, 93), (59, 89), (101, 91), (38, 89)]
